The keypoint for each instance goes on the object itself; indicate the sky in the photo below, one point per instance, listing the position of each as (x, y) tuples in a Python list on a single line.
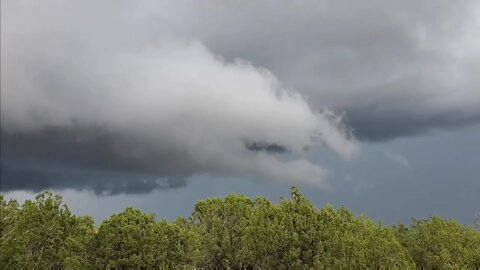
[(374, 105)]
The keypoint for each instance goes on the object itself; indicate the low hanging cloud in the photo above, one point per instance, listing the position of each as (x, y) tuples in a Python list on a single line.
[(88, 95), (396, 68)]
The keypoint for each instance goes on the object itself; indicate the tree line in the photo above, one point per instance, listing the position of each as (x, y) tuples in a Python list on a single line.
[(235, 232)]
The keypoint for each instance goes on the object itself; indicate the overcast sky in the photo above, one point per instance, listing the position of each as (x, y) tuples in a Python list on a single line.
[(156, 104)]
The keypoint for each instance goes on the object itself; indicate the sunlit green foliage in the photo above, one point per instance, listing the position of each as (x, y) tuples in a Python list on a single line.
[(121, 240), (231, 233), (43, 234), (437, 243), (223, 225)]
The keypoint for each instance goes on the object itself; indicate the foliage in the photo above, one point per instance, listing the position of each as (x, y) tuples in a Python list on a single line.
[(43, 234), (476, 223), (223, 225), (358, 243), (121, 240), (236, 232), (437, 243)]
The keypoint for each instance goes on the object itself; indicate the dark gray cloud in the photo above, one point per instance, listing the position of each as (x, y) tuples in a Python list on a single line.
[(92, 149), (45, 176), (396, 68), (256, 146), (381, 127), (57, 159), (60, 159)]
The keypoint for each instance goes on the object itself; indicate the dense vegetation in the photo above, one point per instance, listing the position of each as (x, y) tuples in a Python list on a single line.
[(232, 233)]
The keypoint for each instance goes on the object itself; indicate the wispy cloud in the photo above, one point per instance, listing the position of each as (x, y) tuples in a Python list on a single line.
[(397, 158)]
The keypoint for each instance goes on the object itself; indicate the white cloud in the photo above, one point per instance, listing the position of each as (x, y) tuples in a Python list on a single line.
[(83, 65)]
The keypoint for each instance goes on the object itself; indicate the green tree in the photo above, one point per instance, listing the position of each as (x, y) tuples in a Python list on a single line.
[(222, 225), (304, 227), (231, 233), (121, 240), (357, 243), (80, 249), (43, 235), (8, 214), (476, 222), (170, 245), (437, 243), (269, 238), (284, 235)]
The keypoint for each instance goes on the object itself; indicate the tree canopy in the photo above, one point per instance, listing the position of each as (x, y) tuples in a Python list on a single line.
[(235, 232)]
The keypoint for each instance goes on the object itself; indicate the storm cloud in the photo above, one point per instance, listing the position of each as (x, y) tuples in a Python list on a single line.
[(395, 68), (128, 97), (90, 98)]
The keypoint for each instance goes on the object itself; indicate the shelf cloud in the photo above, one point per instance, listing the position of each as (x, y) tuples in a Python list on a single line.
[(120, 97), (88, 92)]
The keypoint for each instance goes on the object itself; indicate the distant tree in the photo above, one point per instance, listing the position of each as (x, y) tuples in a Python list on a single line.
[(79, 252), (223, 225), (476, 223), (43, 234), (170, 245), (357, 243), (437, 243), (295, 229), (8, 214), (303, 224), (9, 246), (270, 238), (231, 233), (121, 240)]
